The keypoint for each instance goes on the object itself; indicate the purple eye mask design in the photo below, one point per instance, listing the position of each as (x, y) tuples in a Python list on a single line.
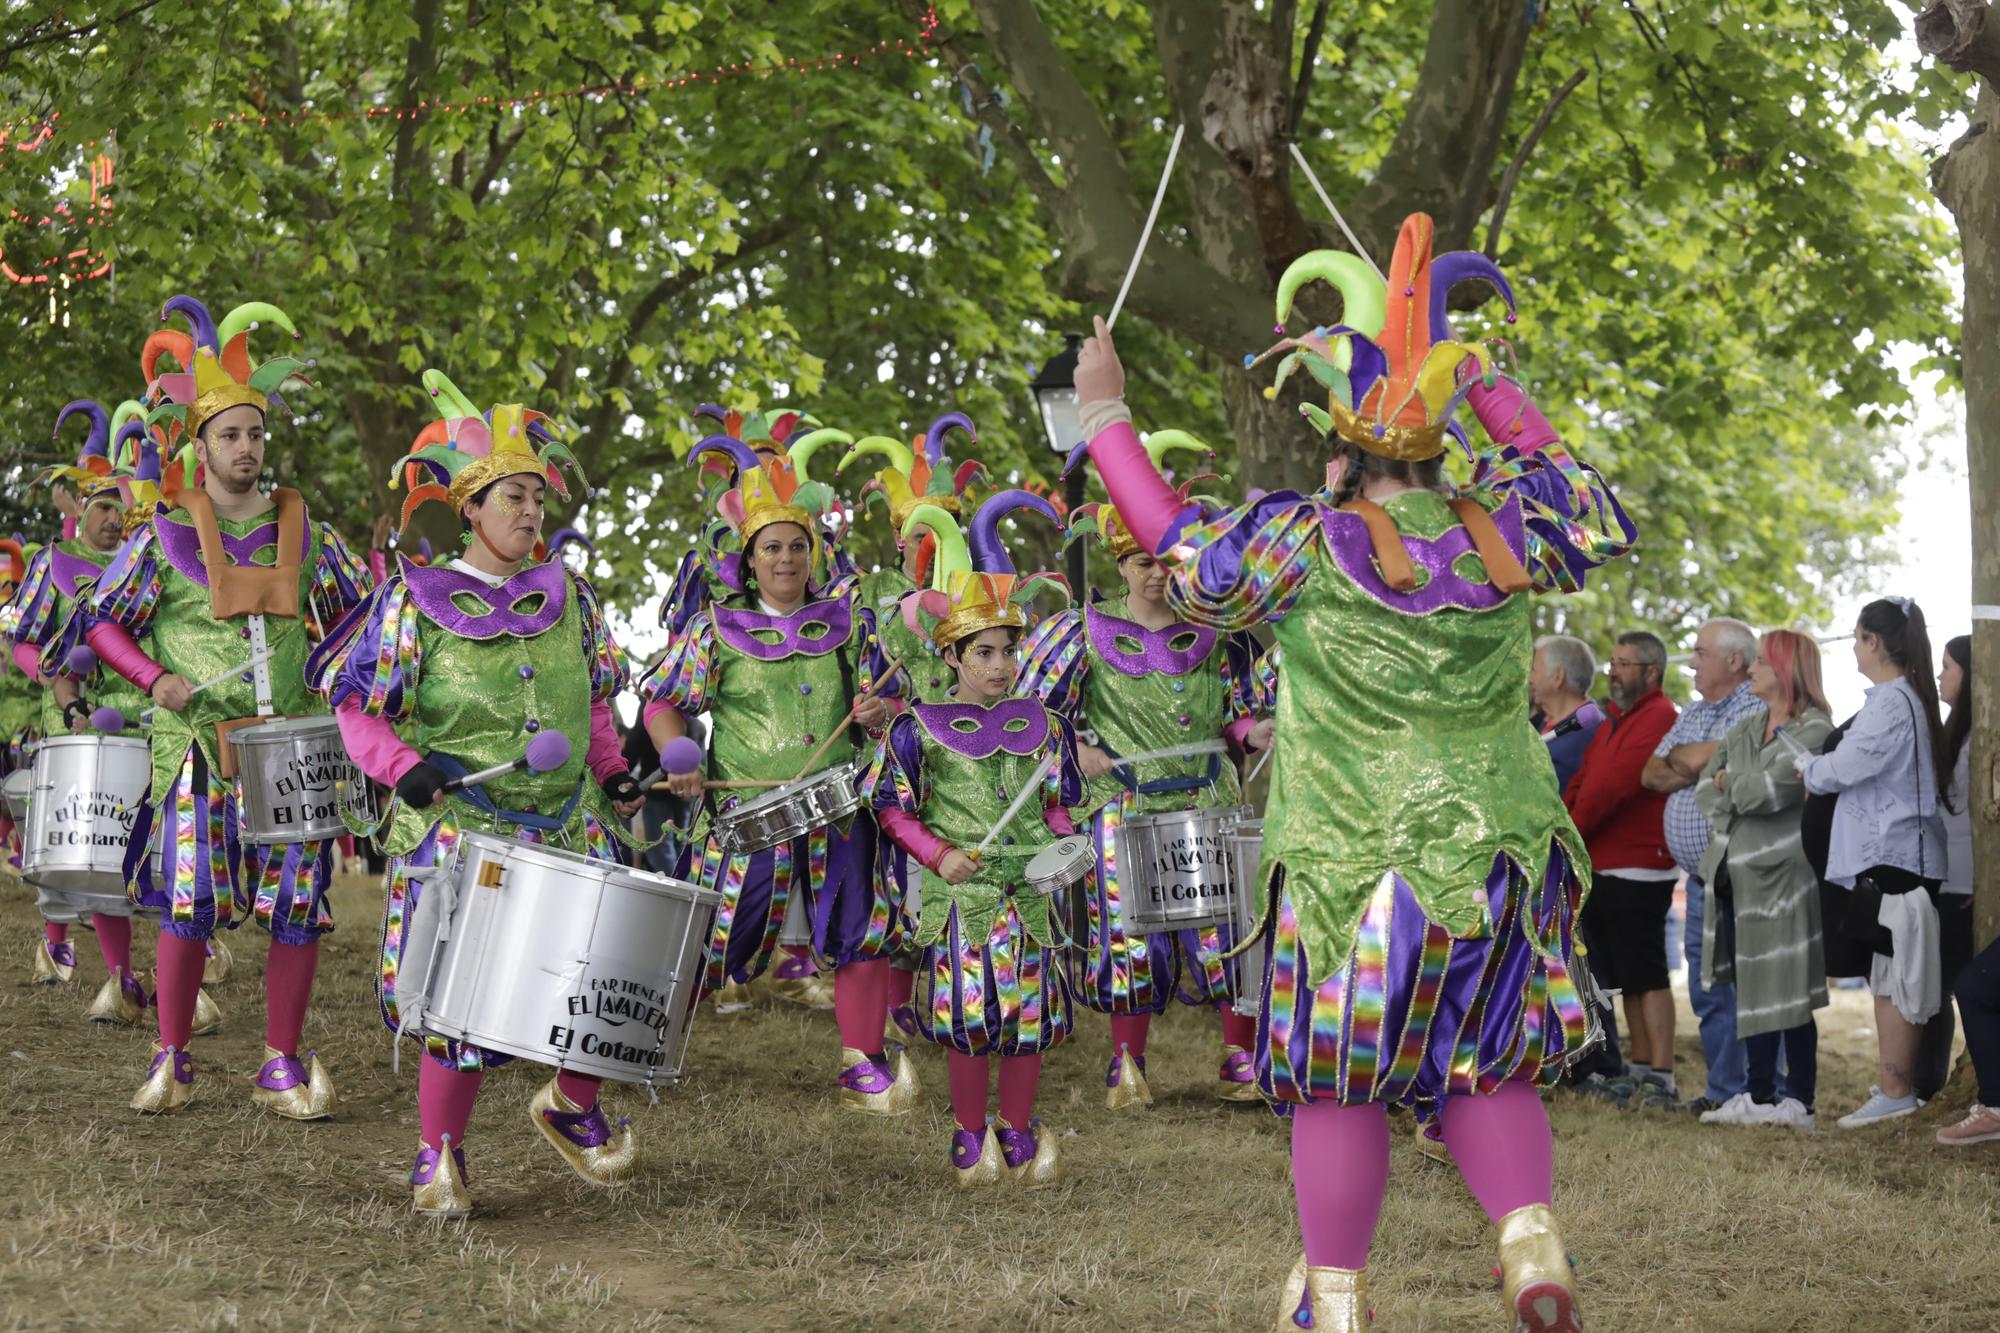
[(1439, 585), (815, 629), (181, 545), (1018, 726), (1131, 649), (448, 596)]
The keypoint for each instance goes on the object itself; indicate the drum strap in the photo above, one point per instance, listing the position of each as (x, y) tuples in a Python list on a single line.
[(476, 797)]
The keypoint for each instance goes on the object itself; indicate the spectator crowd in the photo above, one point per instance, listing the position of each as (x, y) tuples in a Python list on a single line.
[(1801, 850)]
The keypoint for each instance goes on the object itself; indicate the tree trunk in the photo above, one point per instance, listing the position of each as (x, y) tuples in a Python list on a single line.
[(1967, 179)]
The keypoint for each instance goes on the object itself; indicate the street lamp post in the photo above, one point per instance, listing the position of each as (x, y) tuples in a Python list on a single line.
[(1054, 387)]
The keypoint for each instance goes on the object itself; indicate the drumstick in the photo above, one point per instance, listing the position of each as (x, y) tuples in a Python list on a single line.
[(547, 752), (726, 786), (887, 675), (1173, 751), (1028, 788), (146, 718), (1262, 760)]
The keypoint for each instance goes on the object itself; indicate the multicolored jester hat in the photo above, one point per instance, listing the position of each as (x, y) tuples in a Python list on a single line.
[(973, 583), (466, 450)]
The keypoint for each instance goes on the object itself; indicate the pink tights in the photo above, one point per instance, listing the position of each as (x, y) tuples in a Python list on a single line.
[(445, 1098), (861, 1004), (114, 941), (178, 964), (288, 983), (1129, 1031), (1340, 1165), (902, 985), (1020, 1075), (55, 932)]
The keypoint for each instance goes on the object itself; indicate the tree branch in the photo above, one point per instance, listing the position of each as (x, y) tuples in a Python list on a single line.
[(1040, 74), (35, 38), (1956, 34), (1308, 58), (419, 58), (1513, 173)]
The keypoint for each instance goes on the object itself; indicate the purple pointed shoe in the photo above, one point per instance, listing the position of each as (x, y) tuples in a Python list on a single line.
[(285, 1087), (438, 1182), (1236, 1081), (169, 1082), (1032, 1157), (54, 963), (585, 1139)]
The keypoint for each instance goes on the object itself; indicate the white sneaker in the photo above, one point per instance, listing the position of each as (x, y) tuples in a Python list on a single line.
[(1789, 1113), (1880, 1106), (1738, 1110)]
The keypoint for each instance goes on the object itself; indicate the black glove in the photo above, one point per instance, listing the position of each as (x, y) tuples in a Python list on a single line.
[(622, 786), (72, 710), (419, 787)]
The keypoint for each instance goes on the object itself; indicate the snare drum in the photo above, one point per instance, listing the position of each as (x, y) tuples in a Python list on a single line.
[(297, 778), (15, 791), (1173, 869), (791, 811), (556, 958), (1060, 864), (1245, 842), (87, 791)]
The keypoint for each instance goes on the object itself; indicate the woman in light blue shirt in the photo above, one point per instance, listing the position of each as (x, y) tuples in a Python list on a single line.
[(1886, 825)]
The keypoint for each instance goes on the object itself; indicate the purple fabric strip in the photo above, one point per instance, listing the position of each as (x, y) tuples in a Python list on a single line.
[(440, 591), (1155, 651), (67, 569), (815, 629), (181, 544), (1347, 537), (1018, 726)]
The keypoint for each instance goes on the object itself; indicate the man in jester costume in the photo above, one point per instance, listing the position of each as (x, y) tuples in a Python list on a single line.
[(455, 668), (47, 633), (1143, 682), (789, 666), (972, 788), (221, 576), (1423, 876)]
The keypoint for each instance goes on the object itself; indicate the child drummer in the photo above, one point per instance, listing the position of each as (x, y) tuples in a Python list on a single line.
[(946, 784), (453, 669)]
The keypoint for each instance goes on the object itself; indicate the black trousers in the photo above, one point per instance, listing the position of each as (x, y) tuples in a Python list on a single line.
[(1978, 991)]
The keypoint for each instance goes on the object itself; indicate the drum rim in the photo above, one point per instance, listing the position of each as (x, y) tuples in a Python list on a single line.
[(96, 740), (765, 800), (1155, 818), (558, 858), (283, 728)]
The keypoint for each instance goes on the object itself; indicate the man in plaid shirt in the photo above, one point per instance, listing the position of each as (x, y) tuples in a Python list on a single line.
[(1723, 653)]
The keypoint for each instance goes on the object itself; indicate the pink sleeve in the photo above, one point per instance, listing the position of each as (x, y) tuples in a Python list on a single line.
[(117, 649), (378, 565), (913, 836), (1147, 505), (373, 744), (29, 659), (1237, 733), (606, 755), (1058, 820), (653, 708)]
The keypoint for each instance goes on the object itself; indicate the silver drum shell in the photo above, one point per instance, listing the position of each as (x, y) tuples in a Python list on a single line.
[(296, 778), (1060, 864), (792, 811), (1173, 869), (550, 956), (87, 792), (1245, 841)]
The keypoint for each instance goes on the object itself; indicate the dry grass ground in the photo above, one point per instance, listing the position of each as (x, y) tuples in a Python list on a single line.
[(760, 1206)]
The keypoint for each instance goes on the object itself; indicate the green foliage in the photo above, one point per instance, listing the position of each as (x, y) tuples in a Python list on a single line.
[(1716, 245)]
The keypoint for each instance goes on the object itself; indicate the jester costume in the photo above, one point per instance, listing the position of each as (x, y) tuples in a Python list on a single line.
[(1142, 691), (993, 978), (1423, 876), (450, 669), (203, 592), (777, 683)]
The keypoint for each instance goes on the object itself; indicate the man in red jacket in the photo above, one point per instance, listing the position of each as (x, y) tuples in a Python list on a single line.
[(1623, 825)]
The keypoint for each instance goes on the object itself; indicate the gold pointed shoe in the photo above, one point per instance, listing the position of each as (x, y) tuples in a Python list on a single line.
[(215, 969), (908, 1092), (437, 1182), (1535, 1272), (1032, 1156), (1125, 1082), (120, 1000), (207, 1016), (293, 1088), (1430, 1143), (1236, 1081), (169, 1084), (975, 1158), (735, 997), (596, 1152), (1327, 1300), (869, 1087), (55, 964)]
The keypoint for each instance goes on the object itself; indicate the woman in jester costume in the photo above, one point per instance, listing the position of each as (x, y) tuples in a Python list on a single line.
[(1132, 672), (218, 569), (47, 633), (440, 673), (1423, 876), (786, 664), (994, 982), (915, 473)]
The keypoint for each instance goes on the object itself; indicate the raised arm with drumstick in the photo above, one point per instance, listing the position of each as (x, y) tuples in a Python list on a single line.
[(788, 664)]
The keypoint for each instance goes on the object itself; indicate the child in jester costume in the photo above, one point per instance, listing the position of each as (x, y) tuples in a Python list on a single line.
[(787, 663), (1132, 673), (993, 978), (1423, 876), (221, 574), (441, 673)]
